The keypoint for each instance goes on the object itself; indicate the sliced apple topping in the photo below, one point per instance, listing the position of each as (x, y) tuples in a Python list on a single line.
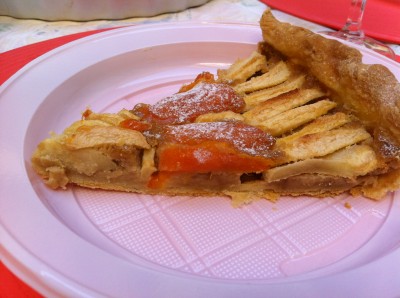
[(349, 162)]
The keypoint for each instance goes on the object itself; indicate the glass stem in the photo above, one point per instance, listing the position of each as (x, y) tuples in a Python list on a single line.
[(354, 19)]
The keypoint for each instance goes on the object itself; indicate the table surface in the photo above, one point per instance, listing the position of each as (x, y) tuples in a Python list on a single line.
[(15, 33)]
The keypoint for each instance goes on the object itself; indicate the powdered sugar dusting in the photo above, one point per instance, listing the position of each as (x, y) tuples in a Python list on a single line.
[(202, 155), (242, 137), (203, 98), (387, 148)]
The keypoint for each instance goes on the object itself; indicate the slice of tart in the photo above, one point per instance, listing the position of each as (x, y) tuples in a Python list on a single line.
[(300, 116)]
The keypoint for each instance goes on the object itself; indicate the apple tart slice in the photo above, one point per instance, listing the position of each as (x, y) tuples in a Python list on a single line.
[(299, 116)]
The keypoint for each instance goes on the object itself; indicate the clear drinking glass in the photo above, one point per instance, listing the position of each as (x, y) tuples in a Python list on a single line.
[(353, 32)]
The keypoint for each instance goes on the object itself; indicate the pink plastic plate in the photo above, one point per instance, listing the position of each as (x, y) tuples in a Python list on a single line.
[(81, 242)]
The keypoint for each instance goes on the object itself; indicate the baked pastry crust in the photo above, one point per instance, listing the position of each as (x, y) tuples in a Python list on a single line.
[(302, 115), (371, 92)]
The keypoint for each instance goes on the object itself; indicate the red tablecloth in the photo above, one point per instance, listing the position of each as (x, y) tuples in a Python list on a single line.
[(12, 287), (381, 17)]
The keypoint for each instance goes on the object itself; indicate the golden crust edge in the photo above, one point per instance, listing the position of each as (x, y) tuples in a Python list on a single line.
[(371, 91)]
